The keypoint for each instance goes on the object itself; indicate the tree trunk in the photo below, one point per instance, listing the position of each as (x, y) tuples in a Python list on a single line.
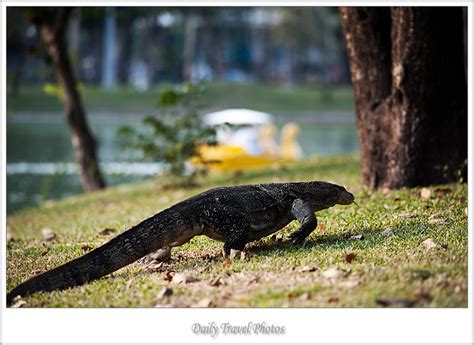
[(125, 55), (410, 93), (190, 36), (109, 47), (17, 47), (52, 26)]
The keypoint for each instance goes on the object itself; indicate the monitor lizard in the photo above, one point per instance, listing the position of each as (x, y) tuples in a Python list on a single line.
[(234, 215)]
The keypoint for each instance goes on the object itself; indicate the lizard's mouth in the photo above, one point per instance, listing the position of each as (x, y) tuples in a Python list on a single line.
[(346, 198)]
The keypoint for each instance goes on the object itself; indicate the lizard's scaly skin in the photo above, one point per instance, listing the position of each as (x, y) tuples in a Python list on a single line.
[(233, 215)]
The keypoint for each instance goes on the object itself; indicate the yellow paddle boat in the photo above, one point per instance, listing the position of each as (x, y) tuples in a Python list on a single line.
[(248, 141)]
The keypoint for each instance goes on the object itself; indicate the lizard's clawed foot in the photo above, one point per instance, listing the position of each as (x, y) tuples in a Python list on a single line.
[(232, 254), (162, 254), (235, 253), (297, 237), (225, 254)]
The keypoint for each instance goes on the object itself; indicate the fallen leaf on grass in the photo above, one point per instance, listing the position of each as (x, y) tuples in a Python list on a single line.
[(204, 303), (356, 237), (351, 283), (425, 193), (107, 231), (226, 263), (465, 211), (252, 280), (437, 221), (350, 257), (422, 296), (166, 291), (401, 302), (305, 296), (388, 230), (442, 191), (429, 243), (48, 234), (161, 305), (419, 296), (18, 302), (333, 273), (307, 268), (184, 278), (154, 265), (406, 215), (168, 276), (9, 236), (216, 281), (86, 248), (421, 274)]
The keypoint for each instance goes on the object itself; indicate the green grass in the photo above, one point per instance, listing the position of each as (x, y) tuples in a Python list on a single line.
[(393, 268), (277, 99)]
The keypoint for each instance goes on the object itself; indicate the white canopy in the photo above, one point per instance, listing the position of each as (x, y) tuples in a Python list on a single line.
[(238, 117)]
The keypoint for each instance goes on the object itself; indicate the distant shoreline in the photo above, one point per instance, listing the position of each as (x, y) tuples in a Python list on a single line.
[(306, 117)]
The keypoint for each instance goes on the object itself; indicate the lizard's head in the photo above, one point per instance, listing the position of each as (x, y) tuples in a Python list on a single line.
[(343, 196), (328, 194)]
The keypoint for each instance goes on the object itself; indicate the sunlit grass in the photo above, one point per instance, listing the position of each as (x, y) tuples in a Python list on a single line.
[(390, 266)]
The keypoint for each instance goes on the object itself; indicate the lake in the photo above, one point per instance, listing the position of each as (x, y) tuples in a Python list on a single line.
[(40, 158)]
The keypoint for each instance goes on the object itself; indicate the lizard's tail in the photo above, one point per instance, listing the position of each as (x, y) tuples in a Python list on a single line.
[(120, 251)]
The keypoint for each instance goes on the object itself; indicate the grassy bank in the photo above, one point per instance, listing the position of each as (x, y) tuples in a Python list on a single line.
[(270, 98), (403, 248)]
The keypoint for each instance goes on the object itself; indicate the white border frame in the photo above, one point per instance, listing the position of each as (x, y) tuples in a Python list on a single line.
[(174, 325)]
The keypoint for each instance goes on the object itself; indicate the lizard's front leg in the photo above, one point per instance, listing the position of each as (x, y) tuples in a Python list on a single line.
[(303, 212)]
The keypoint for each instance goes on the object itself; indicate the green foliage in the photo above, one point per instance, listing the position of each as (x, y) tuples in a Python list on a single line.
[(57, 91), (173, 136)]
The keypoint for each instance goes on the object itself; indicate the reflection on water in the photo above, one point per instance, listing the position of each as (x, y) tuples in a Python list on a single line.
[(39, 154)]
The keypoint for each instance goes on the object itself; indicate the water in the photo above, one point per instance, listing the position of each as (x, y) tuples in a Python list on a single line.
[(40, 157)]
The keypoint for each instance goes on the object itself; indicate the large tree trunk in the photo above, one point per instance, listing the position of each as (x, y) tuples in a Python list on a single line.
[(410, 93), (51, 25)]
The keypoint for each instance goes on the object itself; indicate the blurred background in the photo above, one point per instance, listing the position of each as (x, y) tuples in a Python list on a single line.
[(288, 62)]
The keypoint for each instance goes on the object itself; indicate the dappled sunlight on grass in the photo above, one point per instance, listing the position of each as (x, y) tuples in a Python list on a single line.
[(365, 256)]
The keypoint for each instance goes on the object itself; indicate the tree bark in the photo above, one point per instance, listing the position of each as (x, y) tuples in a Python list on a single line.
[(51, 24), (410, 93)]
